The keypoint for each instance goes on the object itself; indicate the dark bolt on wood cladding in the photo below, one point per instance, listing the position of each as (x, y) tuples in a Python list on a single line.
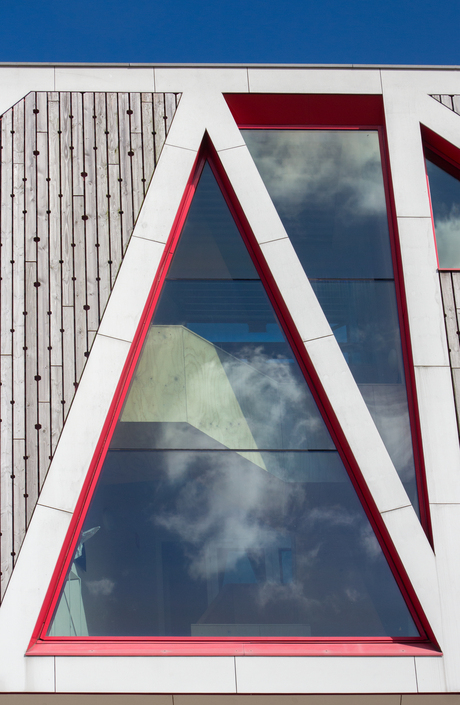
[(75, 168)]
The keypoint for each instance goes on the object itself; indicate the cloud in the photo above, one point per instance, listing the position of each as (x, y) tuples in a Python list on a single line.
[(102, 587), (320, 168)]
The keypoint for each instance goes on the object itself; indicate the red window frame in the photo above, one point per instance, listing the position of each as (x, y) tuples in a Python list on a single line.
[(447, 157), (41, 644)]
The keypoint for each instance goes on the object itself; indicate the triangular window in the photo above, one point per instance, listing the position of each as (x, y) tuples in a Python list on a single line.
[(222, 507)]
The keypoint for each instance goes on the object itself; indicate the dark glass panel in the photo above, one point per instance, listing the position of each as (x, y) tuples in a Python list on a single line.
[(327, 187), (210, 246), (212, 544), (445, 200), (223, 507), (363, 316)]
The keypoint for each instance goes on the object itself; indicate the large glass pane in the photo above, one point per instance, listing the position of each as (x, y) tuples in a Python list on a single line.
[(445, 200), (223, 507), (327, 186)]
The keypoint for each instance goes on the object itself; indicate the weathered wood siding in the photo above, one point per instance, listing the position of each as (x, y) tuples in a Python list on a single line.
[(450, 101), (74, 170)]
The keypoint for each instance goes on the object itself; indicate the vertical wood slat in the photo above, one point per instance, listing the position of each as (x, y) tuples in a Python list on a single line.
[(43, 275), (447, 101), (91, 304), (19, 488), (18, 303), (137, 175), (450, 314), (31, 389), (78, 236), (80, 330), (18, 339), (54, 234), (6, 484), (41, 102), (68, 357), (137, 160), (6, 361), (159, 123), (148, 138), (125, 168), (30, 163), (44, 441), (170, 109), (43, 303), (77, 143), (6, 233), (18, 332), (103, 249), (57, 406), (456, 103), (115, 217), (66, 199), (31, 318), (113, 144), (114, 185), (136, 112)]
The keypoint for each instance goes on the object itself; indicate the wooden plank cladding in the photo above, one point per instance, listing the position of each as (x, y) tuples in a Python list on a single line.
[(74, 170), (450, 287), (450, 101)]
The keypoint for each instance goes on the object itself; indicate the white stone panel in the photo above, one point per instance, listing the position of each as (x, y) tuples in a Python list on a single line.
[(252, 195), (423, 292), (104, 79), (84, 424), (446, 532), (181, 79), (16, 82), (204, 109), (23, 601), (419, 562), (127, 301), (163, 674), (439, 433), (422, 81), (407, 163), (40, 674), (295, 289), (165, 193), (322, 674), (313, 80), (430, 674)]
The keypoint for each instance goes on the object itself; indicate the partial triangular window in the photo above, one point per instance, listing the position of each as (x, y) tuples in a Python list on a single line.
[(223, 508), (444, 180), (328, 189)]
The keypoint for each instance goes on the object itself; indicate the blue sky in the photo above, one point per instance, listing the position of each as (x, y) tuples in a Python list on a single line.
[(231, 31)]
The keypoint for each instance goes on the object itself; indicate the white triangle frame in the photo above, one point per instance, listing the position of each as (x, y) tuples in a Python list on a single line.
[(200, 112)]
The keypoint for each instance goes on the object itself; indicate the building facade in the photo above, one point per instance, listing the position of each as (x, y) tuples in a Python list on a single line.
[(230, 462)]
